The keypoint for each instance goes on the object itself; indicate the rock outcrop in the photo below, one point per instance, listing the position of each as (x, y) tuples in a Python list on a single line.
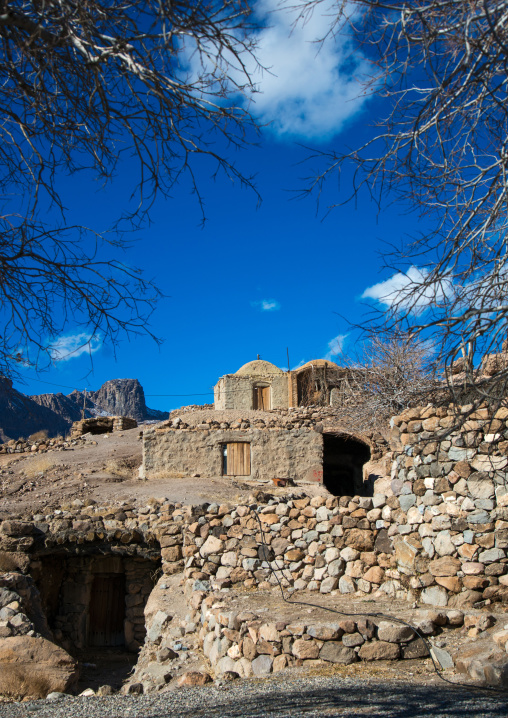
[(68, 408), (21, 415), (124, 397)]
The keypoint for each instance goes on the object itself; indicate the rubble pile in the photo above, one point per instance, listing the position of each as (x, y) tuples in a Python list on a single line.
[(41, 446)]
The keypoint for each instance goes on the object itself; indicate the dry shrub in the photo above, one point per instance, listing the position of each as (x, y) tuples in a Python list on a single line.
[(39, 436), (37, 465), (123, 468), (18, 682)]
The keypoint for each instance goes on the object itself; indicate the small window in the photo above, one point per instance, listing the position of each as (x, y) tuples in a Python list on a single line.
[(236, 459)]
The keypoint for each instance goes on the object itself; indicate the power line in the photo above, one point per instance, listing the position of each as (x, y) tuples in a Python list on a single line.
[(74, 388)]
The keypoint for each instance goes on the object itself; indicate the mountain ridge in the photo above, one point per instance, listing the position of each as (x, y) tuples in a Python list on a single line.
[(22, 415)]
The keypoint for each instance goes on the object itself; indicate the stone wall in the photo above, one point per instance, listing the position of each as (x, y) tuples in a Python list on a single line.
[(353, 545), (451, 485), (173, 451), (102, 425), (237, 392)]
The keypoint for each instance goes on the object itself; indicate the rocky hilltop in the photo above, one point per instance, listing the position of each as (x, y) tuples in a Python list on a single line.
[(21, 415), (125, 397)]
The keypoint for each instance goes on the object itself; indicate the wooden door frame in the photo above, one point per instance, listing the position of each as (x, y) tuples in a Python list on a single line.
[(255, 403)]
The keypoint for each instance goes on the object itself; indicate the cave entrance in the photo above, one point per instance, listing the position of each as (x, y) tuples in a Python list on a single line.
[(94, 601), (343, 461)]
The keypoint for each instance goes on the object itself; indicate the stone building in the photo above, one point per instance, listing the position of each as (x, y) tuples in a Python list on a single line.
[(263, 445), (256, 385), (260, 385)]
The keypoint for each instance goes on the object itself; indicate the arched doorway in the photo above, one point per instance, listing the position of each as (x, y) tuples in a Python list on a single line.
[(343, 460)]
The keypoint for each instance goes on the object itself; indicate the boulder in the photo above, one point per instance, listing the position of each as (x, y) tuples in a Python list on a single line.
[(42, 666), (394, 632), (379, 651), (337, 652)]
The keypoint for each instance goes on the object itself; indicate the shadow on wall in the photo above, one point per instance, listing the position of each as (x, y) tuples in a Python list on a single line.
[(343, 459)]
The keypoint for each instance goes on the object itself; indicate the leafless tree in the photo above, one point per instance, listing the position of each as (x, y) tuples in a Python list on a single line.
[(439, 71), (384, 377), (85, 84)]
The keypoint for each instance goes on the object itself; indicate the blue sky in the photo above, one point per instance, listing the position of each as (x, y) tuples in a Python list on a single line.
[(255, 279)]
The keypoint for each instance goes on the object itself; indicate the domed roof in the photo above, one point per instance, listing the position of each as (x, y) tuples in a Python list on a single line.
[(258, 367), (319, 363)]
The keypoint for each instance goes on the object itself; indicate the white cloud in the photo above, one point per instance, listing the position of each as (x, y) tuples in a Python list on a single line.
[(73, 346), (267, 305), (308, 81), (309, 88), (410, 290), (335, 347)]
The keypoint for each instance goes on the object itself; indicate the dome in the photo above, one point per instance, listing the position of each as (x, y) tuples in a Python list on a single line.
[(258, 367), (319, 364)]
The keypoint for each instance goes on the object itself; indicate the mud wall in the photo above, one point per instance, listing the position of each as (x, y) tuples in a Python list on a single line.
[(294, 453)]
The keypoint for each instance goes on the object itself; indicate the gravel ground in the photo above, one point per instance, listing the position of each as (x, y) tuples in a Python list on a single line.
[(281, 696)]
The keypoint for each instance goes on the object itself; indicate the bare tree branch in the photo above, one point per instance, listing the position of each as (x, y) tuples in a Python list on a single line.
[(440, 69), (84, 84)]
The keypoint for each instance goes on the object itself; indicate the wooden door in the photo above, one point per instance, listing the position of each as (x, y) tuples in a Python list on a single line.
[(237, 459), (261, 398), (107, 610)]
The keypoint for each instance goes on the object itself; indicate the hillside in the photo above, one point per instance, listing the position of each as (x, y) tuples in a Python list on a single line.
[(22, 415)]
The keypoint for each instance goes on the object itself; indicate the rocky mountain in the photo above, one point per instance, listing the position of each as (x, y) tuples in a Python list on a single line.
[(125, 397), (69, 407), (21, 415)]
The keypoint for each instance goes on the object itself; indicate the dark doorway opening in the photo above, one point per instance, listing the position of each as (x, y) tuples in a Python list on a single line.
[(343, 460), (107, 610)]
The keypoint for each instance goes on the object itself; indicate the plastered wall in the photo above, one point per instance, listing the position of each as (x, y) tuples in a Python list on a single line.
[(296, 453)]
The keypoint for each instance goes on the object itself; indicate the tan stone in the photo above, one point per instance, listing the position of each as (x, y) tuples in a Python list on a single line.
[(445, 566), (379, 651), (305, 649), (269, 518), (280, 663), (468, 550), (269, 632), (374, 575), (462, 468), (171, 554), (476, 583), (40, 664), (431, 424), (194, 678), (451, 583), (360, 539), (473, 568)]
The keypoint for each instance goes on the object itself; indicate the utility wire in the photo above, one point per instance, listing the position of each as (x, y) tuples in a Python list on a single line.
[(395, 619), (205, 393)]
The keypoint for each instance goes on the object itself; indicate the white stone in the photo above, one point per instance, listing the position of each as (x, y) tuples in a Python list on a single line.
[(349, 554), (386, 513), (229, 558), (435, 596), (346, 585), (443, 544), (414, 516), (329, 584), (484, 462), (331, 554), (428, 546)]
